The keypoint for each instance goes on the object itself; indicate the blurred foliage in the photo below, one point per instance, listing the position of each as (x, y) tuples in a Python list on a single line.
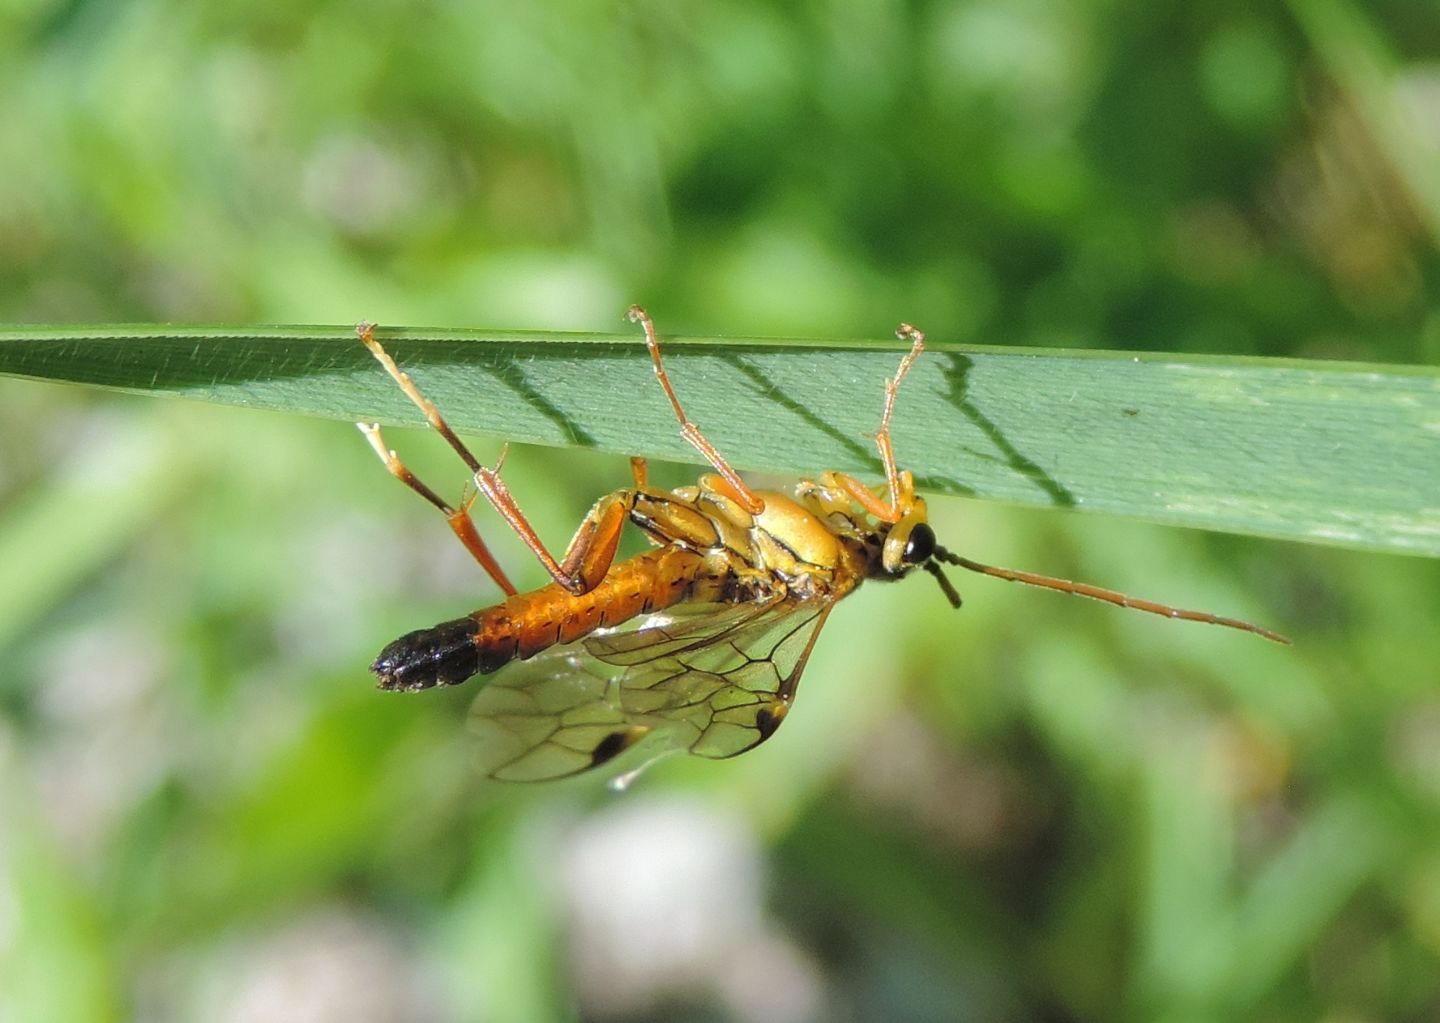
[(1034, 808)]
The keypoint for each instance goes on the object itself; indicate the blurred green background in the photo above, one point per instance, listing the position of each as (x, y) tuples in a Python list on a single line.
[(1035, 808)]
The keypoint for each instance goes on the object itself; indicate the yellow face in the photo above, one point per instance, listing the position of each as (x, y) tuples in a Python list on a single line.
[(910, 541)]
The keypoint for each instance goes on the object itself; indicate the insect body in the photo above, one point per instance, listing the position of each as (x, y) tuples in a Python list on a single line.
[(732, 597)]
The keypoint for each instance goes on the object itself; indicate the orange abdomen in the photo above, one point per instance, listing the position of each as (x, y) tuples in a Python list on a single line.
[(527, 623), (530, 622)]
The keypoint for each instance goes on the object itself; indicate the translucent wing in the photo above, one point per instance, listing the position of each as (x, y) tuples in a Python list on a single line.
[(722, 684), (713, 679), (552, 716)]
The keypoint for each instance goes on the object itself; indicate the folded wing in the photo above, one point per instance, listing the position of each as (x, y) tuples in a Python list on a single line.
[(715, 680)]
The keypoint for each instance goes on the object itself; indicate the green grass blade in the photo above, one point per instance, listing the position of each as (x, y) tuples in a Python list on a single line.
[(1329, 452)]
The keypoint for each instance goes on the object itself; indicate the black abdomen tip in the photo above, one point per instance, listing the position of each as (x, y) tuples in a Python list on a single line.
[(443, 655)]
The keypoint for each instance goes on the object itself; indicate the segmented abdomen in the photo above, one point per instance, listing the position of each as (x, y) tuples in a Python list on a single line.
[(527, 623)]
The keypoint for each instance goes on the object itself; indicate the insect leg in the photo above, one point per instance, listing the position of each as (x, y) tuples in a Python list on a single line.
[(865, 497), (740, 492), (592, 550), (459, 518), (900, 485), (489, 483), (892, 388)]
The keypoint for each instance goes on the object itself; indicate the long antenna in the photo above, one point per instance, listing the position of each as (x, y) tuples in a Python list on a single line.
[(1108, 596), (951, 594)]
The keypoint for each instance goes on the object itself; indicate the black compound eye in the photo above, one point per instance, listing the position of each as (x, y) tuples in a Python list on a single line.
[(920, 545)]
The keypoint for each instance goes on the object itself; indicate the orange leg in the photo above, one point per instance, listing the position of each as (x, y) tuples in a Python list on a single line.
[(892, 388), (900, 485), (592, 550), (739, 492), (590, 553), (865, 498), (459, 518)]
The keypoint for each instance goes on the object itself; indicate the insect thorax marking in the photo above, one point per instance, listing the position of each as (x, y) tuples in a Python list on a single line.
[(786, 550)]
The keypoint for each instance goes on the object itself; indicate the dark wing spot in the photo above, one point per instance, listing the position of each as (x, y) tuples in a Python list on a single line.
[(767, 719), (616, 743)]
